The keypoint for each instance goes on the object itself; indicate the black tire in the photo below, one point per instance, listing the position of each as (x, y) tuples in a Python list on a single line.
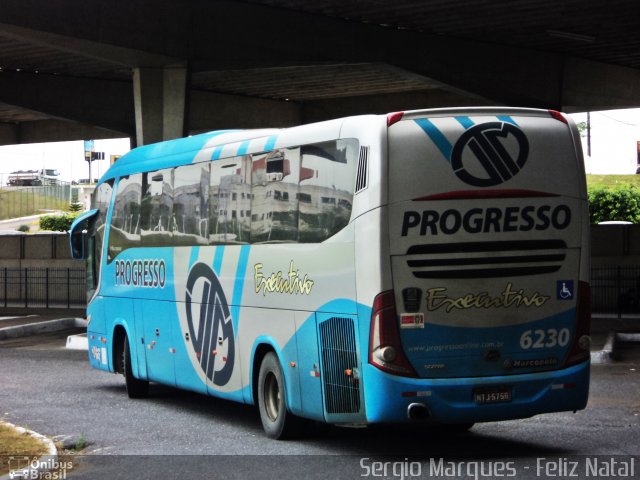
[(135, 388), (278, 423)]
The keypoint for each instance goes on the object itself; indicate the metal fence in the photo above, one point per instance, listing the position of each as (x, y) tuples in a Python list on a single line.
[(615, 289), (43, 287), (16, 202)]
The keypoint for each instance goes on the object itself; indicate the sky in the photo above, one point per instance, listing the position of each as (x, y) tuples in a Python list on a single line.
[(66, 157), (614, 141), (614, 150)]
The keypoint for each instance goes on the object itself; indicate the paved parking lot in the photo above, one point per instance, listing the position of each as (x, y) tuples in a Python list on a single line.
[(54, 391)]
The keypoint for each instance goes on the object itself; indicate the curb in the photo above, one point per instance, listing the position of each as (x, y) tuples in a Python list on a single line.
[(77, 342), (41, 327), (609, 352), (606, 355), (628, 337), (35, 467)]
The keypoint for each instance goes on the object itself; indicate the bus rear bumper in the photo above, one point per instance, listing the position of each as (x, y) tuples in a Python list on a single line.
[(388, 397)]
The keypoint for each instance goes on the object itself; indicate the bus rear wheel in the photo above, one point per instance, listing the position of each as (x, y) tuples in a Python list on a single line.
[(277, 422), (135, 388)]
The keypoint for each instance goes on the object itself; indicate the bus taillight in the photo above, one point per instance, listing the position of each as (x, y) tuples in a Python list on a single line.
[(394, 118), (580, 350), (385, 348), (558, 116)]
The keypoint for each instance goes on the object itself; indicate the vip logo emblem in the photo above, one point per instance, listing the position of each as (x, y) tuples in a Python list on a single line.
[(210, 325), (484, 155)]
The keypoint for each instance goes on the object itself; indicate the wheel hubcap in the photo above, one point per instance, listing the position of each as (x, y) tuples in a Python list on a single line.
[(271, 397)]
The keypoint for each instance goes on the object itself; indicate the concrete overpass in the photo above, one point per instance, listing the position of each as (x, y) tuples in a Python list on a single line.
[(160, 69)]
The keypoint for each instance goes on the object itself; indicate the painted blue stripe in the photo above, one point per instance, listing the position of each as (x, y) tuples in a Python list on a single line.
[(244, 146), (217, 259), (436, 137), (157, 156), (217, 152), (507, 119), (239, 285), (466, 122), (271, 142), (195, 251)]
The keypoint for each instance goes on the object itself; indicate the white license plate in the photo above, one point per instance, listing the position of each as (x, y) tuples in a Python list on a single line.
[(492, 395)]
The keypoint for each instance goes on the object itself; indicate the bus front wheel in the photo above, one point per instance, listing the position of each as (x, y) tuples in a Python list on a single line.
[(135, 388), (277, 422)]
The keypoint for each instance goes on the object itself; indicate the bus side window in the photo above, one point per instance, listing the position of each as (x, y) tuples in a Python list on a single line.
[(101, 200), (125, 221), (191, 205), (156, 209), (274, 196), (230, 201), (326, 188)]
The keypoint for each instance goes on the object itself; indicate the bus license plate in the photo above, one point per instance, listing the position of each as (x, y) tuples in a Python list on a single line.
[(492, 395)]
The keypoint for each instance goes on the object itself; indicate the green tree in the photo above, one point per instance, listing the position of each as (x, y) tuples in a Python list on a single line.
[(75, 207)]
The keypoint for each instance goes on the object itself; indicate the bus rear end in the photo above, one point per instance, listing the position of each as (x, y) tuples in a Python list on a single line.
[(488, 314)]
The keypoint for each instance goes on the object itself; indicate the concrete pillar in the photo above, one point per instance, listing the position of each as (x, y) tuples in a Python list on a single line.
[(160, 102)]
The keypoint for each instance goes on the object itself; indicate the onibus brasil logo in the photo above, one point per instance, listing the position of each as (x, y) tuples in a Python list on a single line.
[(481, 156), (210, 325)]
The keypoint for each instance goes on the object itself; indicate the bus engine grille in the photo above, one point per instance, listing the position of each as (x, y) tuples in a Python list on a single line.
[(339, 365), (486, 259)]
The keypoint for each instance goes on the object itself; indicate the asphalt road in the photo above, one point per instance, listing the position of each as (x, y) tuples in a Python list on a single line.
[(178, 434), (31, 221)]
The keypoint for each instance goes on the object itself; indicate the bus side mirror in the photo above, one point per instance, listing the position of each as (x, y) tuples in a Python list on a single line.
[(78, 241), (78, 237)]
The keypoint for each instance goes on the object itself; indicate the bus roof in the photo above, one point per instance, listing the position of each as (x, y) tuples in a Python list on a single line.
[(181, 151)]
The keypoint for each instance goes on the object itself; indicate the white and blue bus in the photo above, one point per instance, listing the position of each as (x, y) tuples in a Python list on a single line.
[(419, 266)]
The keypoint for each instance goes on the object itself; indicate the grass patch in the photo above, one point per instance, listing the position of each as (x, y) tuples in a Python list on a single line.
[(13, 443), (612, 180)]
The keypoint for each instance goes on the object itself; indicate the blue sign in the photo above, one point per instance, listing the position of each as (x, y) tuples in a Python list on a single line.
[(564, 290)]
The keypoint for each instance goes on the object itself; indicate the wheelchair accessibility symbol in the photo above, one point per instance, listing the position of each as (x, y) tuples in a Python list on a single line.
[(564, 289)]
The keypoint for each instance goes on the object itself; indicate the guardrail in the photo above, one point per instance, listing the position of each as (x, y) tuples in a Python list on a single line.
[(43, 287)]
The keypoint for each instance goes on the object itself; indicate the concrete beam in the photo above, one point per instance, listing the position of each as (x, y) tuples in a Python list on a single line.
[(134, 33), (147, 34), (129, 57), (183, 30), (316, 111), (213, 111), (502, 74), (77, 104), (41, 131), (9, 134), (592, 86), (106, 103)]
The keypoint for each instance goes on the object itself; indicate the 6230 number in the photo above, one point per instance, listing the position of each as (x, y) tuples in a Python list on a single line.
[(548, 338)]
